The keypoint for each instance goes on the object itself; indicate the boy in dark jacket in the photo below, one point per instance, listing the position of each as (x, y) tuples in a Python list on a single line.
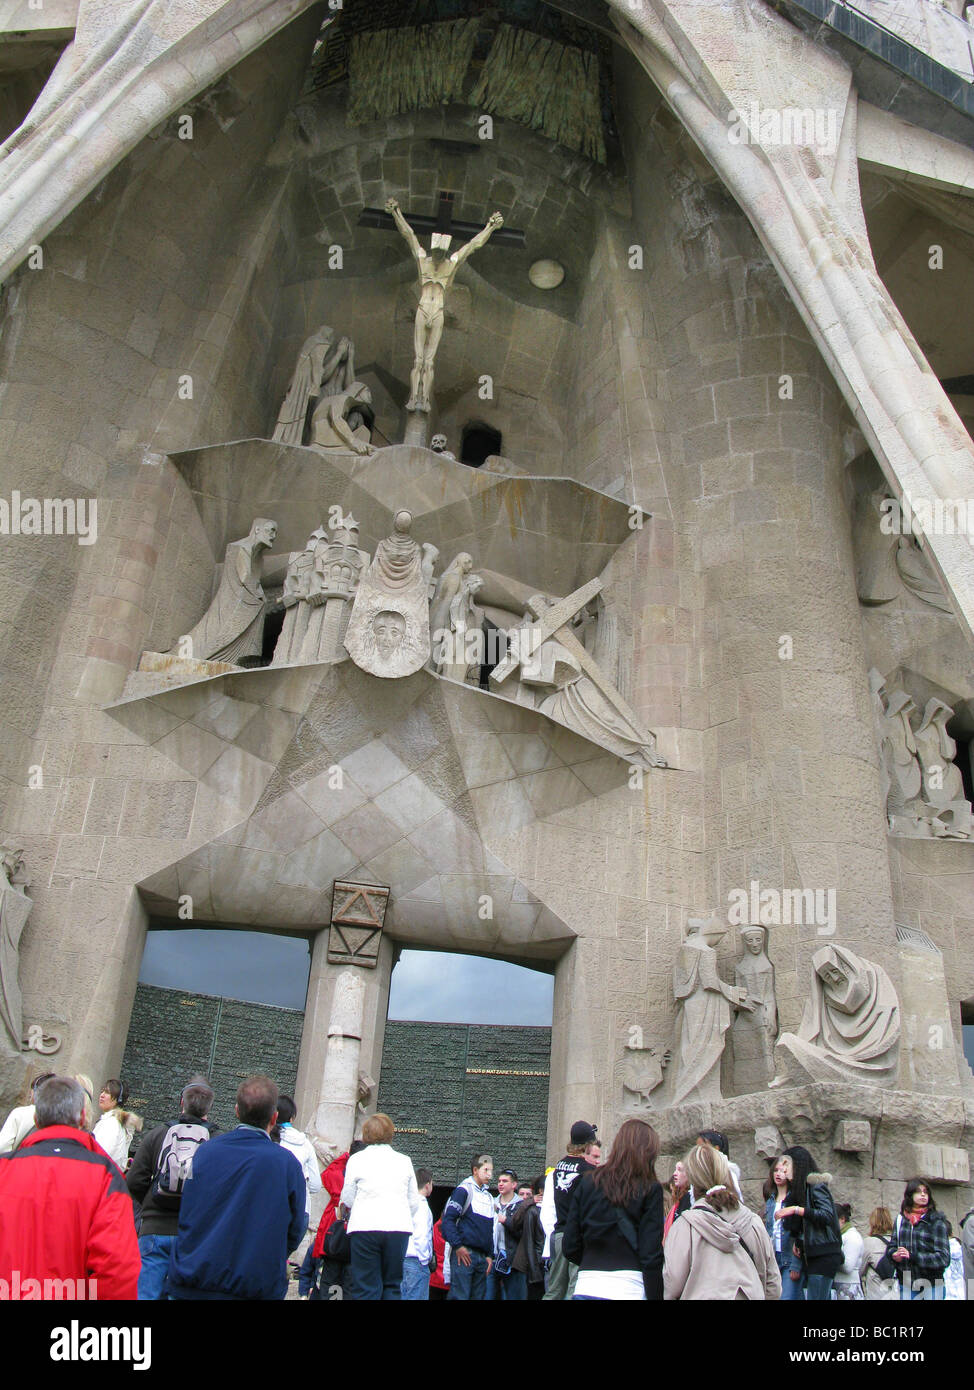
[(528, 1258)]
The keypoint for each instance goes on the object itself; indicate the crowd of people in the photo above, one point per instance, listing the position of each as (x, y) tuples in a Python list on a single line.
[(203, 1214)]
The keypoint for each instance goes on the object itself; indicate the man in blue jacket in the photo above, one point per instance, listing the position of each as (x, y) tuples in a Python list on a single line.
[(242, 1210), (468, 1226)]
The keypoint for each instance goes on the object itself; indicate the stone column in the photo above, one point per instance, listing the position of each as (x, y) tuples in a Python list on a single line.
[(344, 1024)]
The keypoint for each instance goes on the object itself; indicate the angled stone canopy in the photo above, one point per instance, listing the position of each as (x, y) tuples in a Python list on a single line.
[(549, 534), (437, 785)]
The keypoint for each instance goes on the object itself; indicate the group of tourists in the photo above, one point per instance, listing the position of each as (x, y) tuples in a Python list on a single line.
[(200, 1214)]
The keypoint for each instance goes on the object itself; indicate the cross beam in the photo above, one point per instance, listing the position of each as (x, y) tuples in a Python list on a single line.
[(443, 222), (550, 621)]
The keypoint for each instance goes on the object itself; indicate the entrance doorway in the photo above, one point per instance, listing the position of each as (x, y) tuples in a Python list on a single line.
[(465, 1064)]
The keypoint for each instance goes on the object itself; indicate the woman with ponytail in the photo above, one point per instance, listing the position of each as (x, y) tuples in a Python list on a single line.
[(718, 1249)]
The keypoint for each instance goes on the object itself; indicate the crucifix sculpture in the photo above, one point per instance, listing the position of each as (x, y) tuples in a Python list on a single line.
[(437, 270)]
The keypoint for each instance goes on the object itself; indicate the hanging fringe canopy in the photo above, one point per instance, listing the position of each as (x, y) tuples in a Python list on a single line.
[(552, 87), (544, 85), (396, 70)]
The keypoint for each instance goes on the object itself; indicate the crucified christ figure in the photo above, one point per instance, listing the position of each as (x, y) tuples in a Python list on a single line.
[(437, 270)]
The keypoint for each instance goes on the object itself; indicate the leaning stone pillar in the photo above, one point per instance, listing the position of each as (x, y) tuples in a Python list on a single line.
[(344, 1021)]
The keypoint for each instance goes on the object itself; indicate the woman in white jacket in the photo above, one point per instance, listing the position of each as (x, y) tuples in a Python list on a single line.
[(381, 1195), (116, 1127), (20, 1121), (300, 1146), (846, 1286)]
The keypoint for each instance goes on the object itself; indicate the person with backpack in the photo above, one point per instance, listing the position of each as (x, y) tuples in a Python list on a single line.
[(614, 1222), (810, 1219), (156, 1179), (242, 1210), (718, 1250), (920, 1244), (875, 1288)]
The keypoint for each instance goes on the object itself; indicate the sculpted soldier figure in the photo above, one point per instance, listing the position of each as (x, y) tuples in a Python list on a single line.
[(437, 271)]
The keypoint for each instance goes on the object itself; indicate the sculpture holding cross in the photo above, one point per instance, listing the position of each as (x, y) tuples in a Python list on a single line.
[(437, 270), (587, 702)]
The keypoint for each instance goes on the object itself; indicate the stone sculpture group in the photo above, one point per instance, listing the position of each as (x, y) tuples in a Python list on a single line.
[(924, 787), (850, 1028), (389, 614)]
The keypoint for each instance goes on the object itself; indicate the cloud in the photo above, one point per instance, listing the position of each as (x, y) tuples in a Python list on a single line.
[(265, 968), (437, 987), (258, 966)]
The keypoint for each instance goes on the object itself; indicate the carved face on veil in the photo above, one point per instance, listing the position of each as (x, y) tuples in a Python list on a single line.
[(388, 629)]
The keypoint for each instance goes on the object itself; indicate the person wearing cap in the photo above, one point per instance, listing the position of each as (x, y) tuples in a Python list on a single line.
[(554, 1209)]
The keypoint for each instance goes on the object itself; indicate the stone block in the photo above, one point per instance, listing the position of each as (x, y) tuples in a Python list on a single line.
[(852, 1136), (941, 1162), (768, 1142)]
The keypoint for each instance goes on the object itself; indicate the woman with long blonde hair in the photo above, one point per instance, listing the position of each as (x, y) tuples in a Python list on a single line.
[(718, 1250)]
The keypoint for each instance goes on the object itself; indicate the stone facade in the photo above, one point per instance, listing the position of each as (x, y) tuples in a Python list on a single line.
[(732, 333)]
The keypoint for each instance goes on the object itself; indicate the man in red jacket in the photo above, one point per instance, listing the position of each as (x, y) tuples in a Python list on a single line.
[(66, 1225)]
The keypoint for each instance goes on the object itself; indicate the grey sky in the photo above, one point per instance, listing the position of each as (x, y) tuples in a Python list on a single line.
[(430, 986)]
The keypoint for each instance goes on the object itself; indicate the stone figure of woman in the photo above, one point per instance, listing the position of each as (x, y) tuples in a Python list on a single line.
[(325, 367), (15, 908), (754, 1030)]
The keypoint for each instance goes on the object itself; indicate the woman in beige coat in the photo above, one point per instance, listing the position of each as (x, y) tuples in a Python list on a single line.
[(718, 1249)]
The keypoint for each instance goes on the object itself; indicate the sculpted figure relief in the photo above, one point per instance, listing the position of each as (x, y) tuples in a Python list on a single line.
[(343, 423), (232, 628), (941, 781), (704, 1015), (338, 565), (923, 785), (851, 1026), (572, 690), (454, 617), (437, 270), (389, 629), (754, 1030), (297, 584), (15, 908), (325, 367), (888, 563)]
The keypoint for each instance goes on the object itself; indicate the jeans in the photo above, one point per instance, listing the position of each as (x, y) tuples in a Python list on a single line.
[(561, 1274), (512, 1287), (819, 1287), (792, 1290), (415, 1279), (377, 1260), (154, 1274), (468, 1282)]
